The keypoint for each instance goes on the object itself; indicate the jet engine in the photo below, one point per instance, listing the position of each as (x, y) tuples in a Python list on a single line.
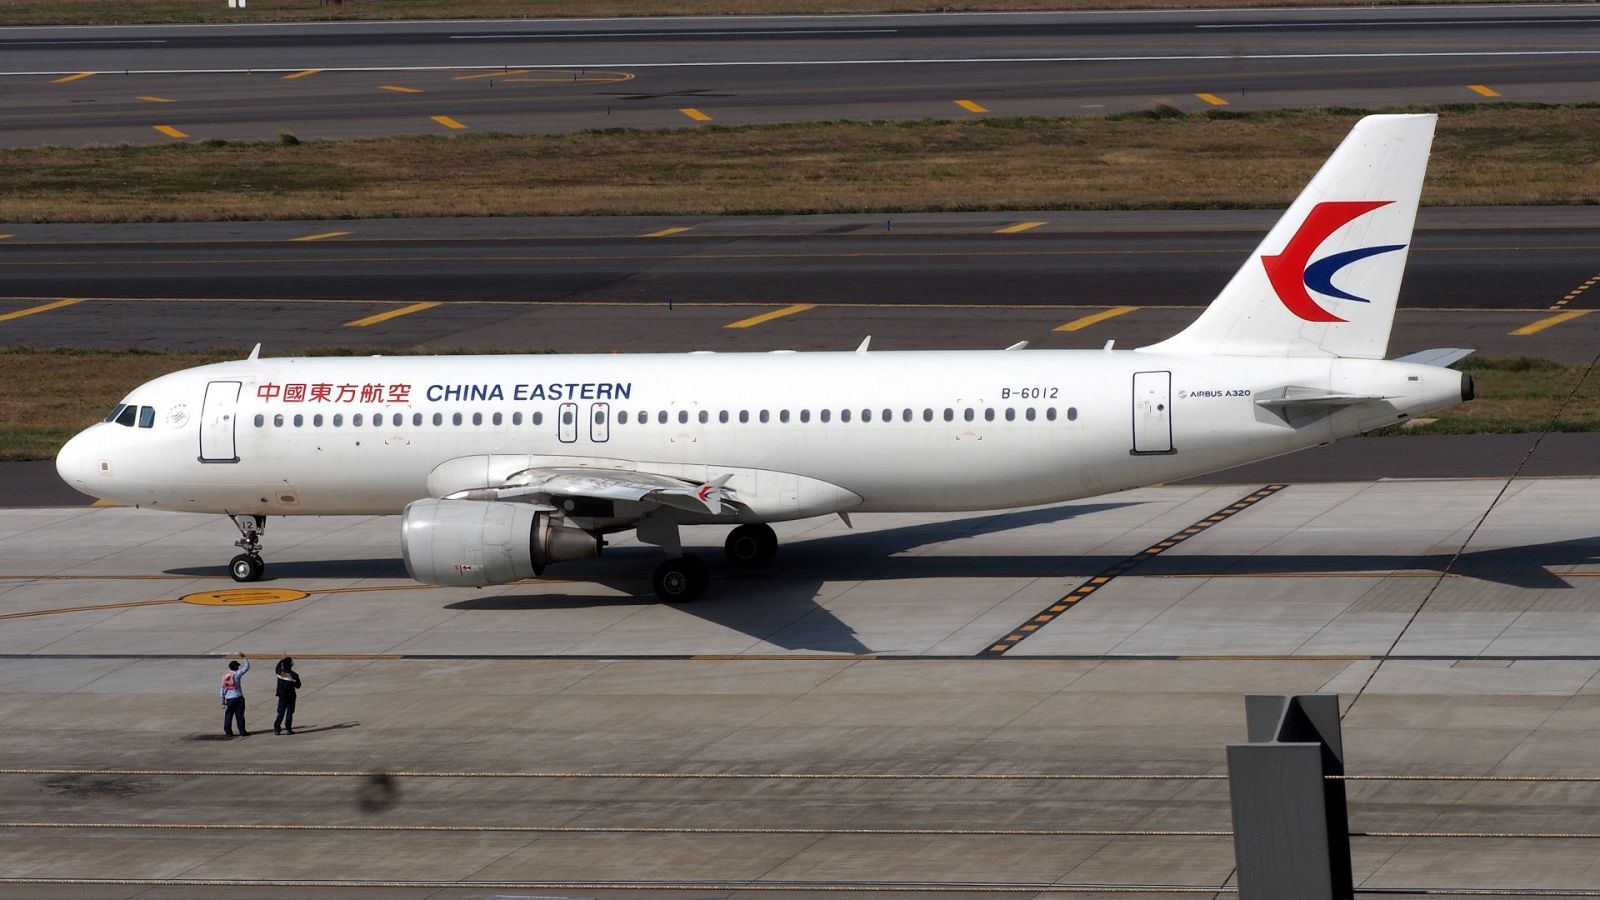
[(473, 543)]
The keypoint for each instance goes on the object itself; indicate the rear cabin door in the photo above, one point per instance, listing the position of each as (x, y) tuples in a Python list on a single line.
[(599, 422), (1152, 412), (217, 418)]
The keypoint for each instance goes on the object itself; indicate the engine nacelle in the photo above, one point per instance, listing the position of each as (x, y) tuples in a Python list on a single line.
[(473, 543)]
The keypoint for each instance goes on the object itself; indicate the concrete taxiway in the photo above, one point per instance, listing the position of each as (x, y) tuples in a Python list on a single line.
[(572, 737)]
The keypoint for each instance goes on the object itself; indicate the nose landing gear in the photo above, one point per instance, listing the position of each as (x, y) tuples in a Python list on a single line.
[(248, 566)]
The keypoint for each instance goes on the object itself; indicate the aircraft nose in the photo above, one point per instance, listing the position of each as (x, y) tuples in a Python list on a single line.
[(74, 462)]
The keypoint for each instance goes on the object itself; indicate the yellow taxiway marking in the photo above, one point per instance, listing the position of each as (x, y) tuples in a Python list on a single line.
[(6, 236), (574, 76), (398, 89), (769, 316), (244, 597), (969, 106), (668, 232), (158, 99), (66, 78), (321, 236), (391, 314), (695, 114), (169, 131), (448, 122), (44, 307), (1096, 318), (72, 609), (1212, 99), (300, 74), (105, 504), (492, 74), (1557, 319), (1019, 227), (1483, 89), (1574, 294)]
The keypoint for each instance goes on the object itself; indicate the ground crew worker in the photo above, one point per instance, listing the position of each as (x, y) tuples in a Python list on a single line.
[(288, 686), (233, 696)]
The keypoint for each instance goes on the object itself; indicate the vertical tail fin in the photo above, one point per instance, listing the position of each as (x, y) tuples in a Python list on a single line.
[(1325, 280)]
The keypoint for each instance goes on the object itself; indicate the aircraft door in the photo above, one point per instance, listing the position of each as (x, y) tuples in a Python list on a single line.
[(217, 415), (599, 422), (567, 422), (1152, 412)]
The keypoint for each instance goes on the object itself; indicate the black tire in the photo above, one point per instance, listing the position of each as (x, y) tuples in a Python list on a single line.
[(245, 567), (681, 580), (751, 546)]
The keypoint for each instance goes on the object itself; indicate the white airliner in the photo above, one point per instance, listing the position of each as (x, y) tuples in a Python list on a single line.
[(502, 465)]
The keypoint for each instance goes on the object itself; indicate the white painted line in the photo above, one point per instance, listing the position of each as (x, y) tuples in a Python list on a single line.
[(729, 64), (1428, 24), (605, 34), (83, 43)]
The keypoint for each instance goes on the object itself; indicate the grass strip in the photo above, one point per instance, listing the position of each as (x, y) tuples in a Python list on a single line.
[(46, 396), (1483, 155), (127, 12)]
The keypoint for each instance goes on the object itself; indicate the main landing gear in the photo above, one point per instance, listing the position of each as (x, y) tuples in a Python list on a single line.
[(683, 577), (248, 566)]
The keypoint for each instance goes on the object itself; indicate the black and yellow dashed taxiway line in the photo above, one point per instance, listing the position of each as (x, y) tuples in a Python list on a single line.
[(1082, 591), (1575, 293)]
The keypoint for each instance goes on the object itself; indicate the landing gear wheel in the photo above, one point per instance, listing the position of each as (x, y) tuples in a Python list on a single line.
[(681, 579), (751, 546), (246, 567)]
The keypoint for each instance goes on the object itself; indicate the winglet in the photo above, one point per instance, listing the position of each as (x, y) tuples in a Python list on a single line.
[(864, 342), (1019, 345), (255, 354)]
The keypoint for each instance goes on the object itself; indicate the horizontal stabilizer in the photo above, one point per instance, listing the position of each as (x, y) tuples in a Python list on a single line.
[(1310, 397), (1441, 357)]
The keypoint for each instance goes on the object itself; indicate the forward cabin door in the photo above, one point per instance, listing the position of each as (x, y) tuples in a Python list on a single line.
[(217, 415), (599, 422), (1152, 412), (567, 423)]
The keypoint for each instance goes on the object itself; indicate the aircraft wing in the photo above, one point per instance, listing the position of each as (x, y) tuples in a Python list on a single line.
[(548, 487)]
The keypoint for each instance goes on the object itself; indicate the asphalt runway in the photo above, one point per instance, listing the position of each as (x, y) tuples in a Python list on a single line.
[(1505, 281), (81, 85), (816, 727)]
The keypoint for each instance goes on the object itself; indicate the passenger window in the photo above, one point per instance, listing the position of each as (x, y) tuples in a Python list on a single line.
[(338, 420), (537, 418), (906, 415), (704, 417), (1011, 414), (299, 420), (277, 421), (988, 414), (260, 420), (1029, 414), (355, 420), (744, 416), (115, 411), (683, 417), (1072, 414), (438, 419), (927, 415), (866, 415), (1050, 414), (316, 421), (805, 415), (622, 417), (477, 418), (127, 415), (416, 420), (722, 417), (455, 419), (949, 414), (969, 415), (147, 417), (844, 415), (497, 420), (888, 415), (661, 417)]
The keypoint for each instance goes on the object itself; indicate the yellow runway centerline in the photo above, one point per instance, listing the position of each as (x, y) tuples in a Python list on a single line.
[(35, 310), (158, 100), (1019, 227), (318, 237), (398, 89), (969, 106), (1212, 99), (695, 114), (66, 78), (1557, 319), (1096, 318), (391, 314), (492, 74), (300, 74), (768, 317), (1483, 89), (169, 131), (668, 232)]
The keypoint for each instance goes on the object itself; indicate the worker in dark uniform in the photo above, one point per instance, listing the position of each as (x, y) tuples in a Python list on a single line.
[(233, 695), (288, 686)]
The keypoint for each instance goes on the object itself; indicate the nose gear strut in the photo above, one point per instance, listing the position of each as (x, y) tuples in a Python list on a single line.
[(248, 565)]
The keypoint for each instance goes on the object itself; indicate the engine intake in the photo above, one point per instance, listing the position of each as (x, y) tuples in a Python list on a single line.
[(473, 543)]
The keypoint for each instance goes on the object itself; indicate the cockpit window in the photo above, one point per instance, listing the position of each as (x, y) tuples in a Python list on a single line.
[(112, 416), (127, 416), (147, 417)]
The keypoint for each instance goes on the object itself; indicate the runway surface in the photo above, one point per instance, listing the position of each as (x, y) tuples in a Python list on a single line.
[(159, 83), (560, 736), (1507, 281)]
